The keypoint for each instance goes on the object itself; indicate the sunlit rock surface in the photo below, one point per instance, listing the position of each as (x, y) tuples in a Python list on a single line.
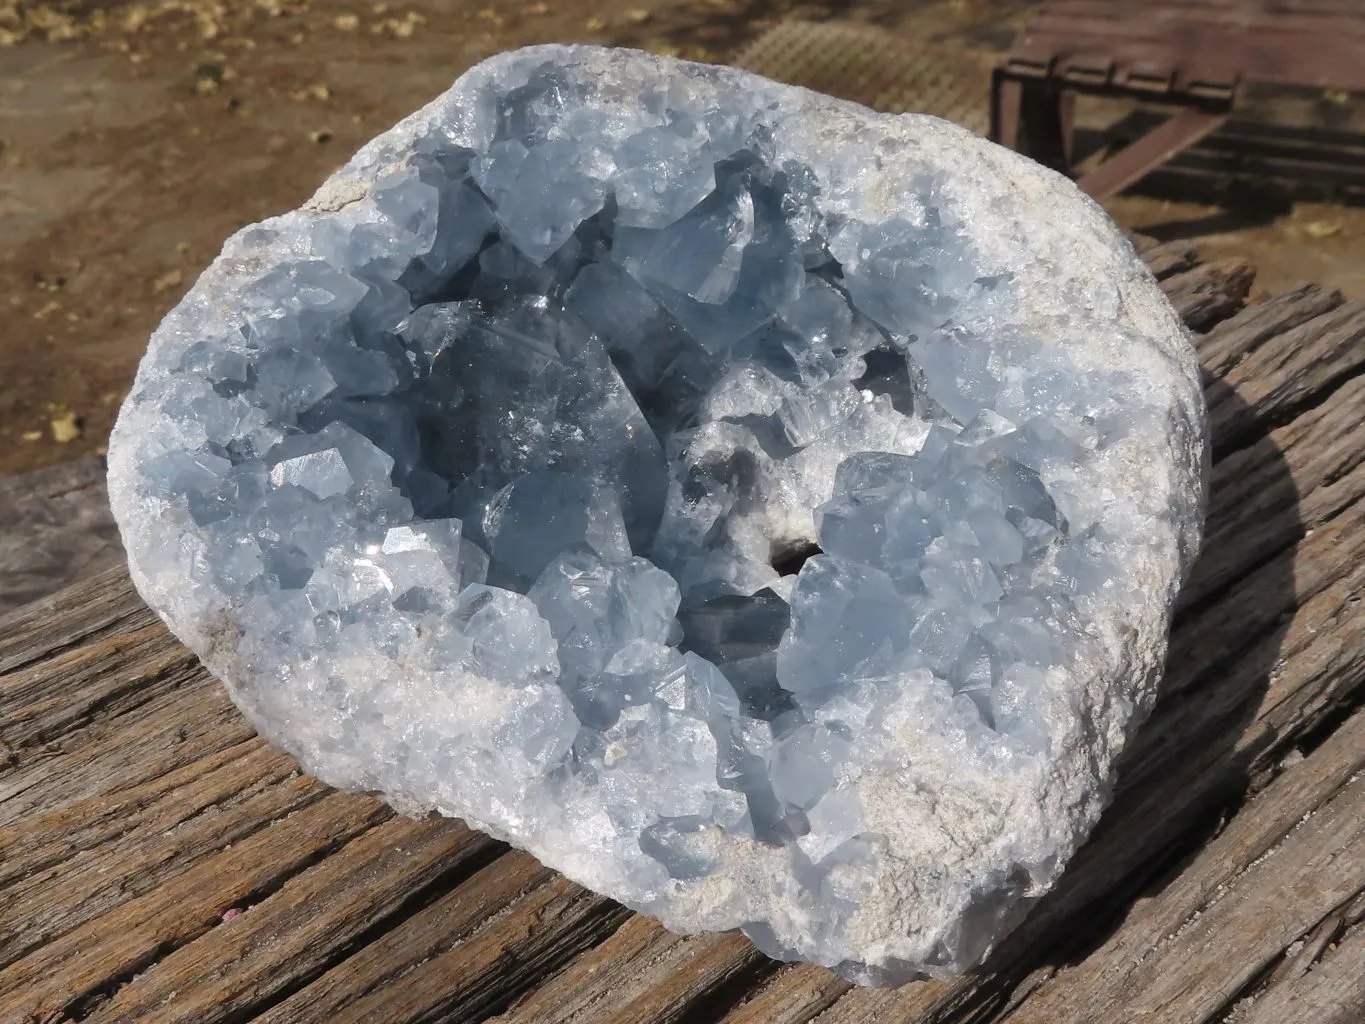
[(767, 512)]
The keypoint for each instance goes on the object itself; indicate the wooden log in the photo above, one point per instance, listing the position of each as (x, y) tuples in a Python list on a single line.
[(1287, 374), (1301, 956), (502, 889), (1267, 496), (484, 973), (115, 736), (55, 529), (1293, 855), (1232, 340), (1210, 292), (1331, 992), (127, 851), (69, 972), (642, 972), (1166, 259), (66, 621), (293, 937), (798, 992)]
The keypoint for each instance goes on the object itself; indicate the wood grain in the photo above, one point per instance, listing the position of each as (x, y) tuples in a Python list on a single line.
[(1293, 855), (279, 945), (381, 968), (1209, 292), (55, 529), (641, 973), (1231, 341), (1287, 373), (1330, 989), (160, 863)]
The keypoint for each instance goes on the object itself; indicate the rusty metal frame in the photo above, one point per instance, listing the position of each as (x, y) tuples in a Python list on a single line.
[(1032, 95), (1034, 114)]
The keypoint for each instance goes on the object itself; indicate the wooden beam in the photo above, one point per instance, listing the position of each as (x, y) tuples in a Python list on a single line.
[(1150, 151)]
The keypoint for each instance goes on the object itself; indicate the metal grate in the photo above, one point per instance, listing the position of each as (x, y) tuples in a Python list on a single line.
[(876, 68)]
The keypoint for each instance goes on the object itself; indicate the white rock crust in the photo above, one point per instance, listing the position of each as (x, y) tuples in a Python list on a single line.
[(966, 832)]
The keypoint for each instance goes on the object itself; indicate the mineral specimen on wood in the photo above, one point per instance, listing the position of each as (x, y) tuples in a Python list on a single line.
[(767, 512)]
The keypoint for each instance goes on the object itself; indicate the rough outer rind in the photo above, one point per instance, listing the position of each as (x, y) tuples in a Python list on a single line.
[(945, 851)]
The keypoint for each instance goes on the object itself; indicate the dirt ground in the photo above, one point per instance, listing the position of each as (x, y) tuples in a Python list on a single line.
[(134, 137)]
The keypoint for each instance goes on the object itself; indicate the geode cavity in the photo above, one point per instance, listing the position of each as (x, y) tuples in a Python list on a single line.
[(765, 511)]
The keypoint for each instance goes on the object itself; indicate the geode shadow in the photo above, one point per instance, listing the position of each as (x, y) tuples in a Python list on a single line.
[(1181, 774)]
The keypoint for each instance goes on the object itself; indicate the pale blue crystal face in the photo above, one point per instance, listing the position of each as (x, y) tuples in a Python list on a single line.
[(672, 484)]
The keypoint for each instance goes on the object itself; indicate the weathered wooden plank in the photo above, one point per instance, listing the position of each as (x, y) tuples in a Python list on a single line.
[(96, 957), (1294, 854), (1264, 497), (77, 697), (1227, 344), (797, 992), (383, 964), (55, 529), (714, 962), (183, 724), (1166, 259), (637, 956), (1218, 634), (1226, 721), (1210, 292), (292, 936), (1304, 953), (64, 621), (641, 973), (486, 971), (61, 877), (1288, 373), (1332, 992), (1319, 671), (57, 836)]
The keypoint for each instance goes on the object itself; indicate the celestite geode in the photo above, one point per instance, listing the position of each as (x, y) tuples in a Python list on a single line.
[(767, 512)]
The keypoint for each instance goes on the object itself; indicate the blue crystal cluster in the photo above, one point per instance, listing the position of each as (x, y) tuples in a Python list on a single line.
[(669, 492)]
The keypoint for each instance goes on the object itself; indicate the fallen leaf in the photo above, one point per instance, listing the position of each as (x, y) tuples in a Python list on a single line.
[(595, 24), (65, 428), (346, 22), (167, 280), (637, 15), (32, 435)]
